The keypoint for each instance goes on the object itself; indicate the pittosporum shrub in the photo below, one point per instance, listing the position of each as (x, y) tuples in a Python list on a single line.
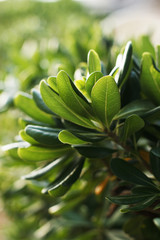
[(94, 141)]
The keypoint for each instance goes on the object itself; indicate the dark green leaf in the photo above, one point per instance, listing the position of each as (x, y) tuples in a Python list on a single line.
[(126, 64), (93, 151), (129, 173), (138, 107), (63, 183), (142, 205), (129, 199), (39, 101), (155, 162), (44, 135)]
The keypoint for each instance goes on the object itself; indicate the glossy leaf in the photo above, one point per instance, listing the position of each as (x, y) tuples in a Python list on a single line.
[(138, 107), (44, 135), (125, 65), (27, 138), (105, 99), (129, 199), (26, 103), (37, 153), (55, 103), (68, 138), (91, 80), (93, 61), (39, 101), (63, 183), (72, 97), (148, 201), (149, 79), (93, 151), (38, 173), (131, 125), (89, 136), (129, 173), (155, 162)]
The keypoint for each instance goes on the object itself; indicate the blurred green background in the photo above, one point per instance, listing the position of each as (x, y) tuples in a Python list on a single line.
[(36, 40)]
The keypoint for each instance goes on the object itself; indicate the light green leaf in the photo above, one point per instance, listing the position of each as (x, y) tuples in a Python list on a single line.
[(68, 138), (56, 104), (27, 138), (26, 103), (91, 80), (93, 62), (131, 125), (37, 153), (105, 99), (129, 173), (52, 83), (150, 79), (72, 97), (81, 85)]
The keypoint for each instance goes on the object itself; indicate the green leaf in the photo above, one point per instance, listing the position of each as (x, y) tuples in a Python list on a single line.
[(93, 151), (131, 125), (52, 83), (138, 107), (155, 162), (81, 85), (144, 190), (26, 103), (93, 61), (44, 135), (105, 99), (37, 153), (63, 183), (68, 138), (129, 173), (89, 136), (91, 80), (39, 102), (72, 97), (55, 103), (12, 148), (27, 138), (39, 173), (149, 79), (125, 65), (148, 201), (129, 199)]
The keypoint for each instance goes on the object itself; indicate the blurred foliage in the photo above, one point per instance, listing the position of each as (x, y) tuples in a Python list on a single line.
[(37, 40)]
